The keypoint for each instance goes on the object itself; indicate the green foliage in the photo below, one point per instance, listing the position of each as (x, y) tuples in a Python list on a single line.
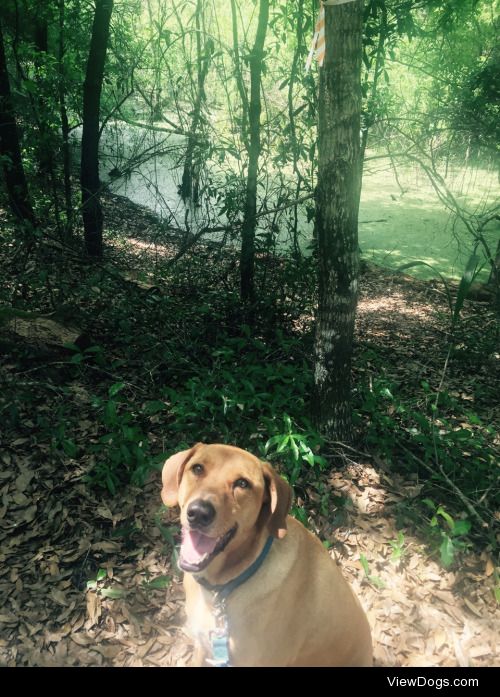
[(294, 449), (93, 583), (122, 453), (97, 585), (244, 397), (449, 535), (398, 547), (374, 580), (497, 587), (457, 438), (158, 583)]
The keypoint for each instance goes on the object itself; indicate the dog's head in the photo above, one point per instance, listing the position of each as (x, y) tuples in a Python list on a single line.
[(225, 495)]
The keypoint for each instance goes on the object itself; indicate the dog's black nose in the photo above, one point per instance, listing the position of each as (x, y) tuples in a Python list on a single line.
[(200, 513)]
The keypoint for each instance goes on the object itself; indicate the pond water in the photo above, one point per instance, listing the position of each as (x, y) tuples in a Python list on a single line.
[(401, 219)]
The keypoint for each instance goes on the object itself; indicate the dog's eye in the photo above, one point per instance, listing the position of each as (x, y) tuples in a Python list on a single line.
[(197, 469), (242, 483)]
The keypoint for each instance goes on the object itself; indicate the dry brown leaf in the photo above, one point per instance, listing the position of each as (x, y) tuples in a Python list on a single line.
[(145, 648), (481, 650), (472, 607), (445, 596), (94, 609), (462, 658), (106, 547), (109, 651), (490, 567), (8, 619), (29, 513), (82, 639), (23, 480), (59, 596), (440, 639), (104, 512)]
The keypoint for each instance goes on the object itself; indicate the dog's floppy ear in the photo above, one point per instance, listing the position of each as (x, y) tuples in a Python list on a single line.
[(280, 493), (172, 474)]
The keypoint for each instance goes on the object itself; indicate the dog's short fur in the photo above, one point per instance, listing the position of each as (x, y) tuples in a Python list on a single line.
[(297, 609)]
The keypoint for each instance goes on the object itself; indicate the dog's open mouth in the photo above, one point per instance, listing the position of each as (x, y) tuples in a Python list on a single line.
[(198, 550)]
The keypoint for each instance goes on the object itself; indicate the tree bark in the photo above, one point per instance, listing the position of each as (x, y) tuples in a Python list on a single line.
[(247, 258), (239, 77), (337, 205), (63, 113), (91, 206), (191, 174), (10, 149)]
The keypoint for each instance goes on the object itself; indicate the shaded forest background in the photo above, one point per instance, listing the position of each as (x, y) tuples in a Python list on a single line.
[(160, 278)]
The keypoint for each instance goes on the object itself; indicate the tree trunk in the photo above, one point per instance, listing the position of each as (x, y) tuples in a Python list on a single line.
[(63, 113), (91, 206), (295, 147), (10, 150), (337, 205), (239, 77), (247, 258), (191, 174)]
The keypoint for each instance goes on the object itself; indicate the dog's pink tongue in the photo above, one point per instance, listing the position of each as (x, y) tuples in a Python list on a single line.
[(195, 545)]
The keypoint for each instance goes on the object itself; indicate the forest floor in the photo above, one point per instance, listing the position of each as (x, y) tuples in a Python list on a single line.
[(56, 533)]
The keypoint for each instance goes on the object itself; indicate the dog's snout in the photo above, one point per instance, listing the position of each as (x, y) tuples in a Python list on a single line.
[(200, 513)]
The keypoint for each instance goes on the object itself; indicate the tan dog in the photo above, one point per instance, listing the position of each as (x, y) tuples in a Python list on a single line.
[(295, 608)]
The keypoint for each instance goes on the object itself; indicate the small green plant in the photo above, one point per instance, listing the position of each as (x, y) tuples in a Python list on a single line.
[(374, 580), (294, 449), (122, 453), (398, 547), (452, 448), (158, 583), (169, 534), (91, 354), (300, 514), (94, 585), (446, 533)]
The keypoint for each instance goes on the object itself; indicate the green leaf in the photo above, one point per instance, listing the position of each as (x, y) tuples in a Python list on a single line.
[(72, 347), (447, 550), (283, 444), (364, 564), (159, 583), (112, 593), (114, 389), (471, 270), (377, 581), (451, 523), (101, 574), (396, 553), (154, 407), (462, 527)]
